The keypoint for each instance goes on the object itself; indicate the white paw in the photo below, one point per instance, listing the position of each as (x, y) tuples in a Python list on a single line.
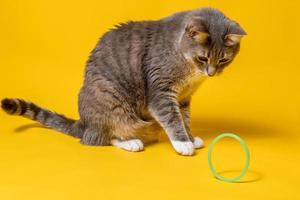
[(129, 145), (183, 148), (198, 143)]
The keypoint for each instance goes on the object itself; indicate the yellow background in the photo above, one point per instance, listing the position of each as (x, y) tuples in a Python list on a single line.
[(43, 49)]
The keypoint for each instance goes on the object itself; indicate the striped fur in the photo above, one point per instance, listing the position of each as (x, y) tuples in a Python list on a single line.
[(140, 77), (45, 117)]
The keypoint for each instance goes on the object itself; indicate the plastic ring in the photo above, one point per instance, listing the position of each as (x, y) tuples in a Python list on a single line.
[(244, 170)]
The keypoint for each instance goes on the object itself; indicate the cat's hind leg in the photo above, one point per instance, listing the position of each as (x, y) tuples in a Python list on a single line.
[(129, 145), (127, 135), (135, 137), (95, 136)]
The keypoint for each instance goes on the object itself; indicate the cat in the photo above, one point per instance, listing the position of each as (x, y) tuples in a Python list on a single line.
[(139, 80)]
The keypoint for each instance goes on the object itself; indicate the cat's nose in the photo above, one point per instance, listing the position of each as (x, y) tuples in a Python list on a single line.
[(211, 70)]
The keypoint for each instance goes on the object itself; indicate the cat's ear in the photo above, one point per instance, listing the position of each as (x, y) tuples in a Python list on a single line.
[(234, 34), (197, 30)]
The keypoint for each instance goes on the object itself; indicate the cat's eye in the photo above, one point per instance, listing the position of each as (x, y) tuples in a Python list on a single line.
[(223, 60), (202, 59)]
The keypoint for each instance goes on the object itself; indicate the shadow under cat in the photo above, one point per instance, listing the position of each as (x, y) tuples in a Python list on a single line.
[(208, 128)]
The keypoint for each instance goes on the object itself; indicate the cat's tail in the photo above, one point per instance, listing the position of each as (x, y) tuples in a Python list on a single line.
[(43, 116)]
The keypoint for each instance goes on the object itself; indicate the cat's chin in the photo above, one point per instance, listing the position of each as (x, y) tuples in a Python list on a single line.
[(211, 76), (204, 74)]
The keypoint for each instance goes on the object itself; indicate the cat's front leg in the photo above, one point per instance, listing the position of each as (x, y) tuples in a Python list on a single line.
[(165, 109), (185, 112)]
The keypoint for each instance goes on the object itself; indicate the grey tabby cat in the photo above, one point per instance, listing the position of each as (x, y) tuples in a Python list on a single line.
[(139, 79)]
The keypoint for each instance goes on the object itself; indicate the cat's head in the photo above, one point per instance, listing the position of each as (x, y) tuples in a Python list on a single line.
[(211, 41)]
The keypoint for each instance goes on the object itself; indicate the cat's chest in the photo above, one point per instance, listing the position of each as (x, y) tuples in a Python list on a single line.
[(190, 85)]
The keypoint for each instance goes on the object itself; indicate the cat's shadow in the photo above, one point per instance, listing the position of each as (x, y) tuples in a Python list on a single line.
[(209, 128), (25, 127)]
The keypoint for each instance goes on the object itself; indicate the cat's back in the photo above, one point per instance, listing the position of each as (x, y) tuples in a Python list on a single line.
[(116, 63), (123, 45), (120, 52)]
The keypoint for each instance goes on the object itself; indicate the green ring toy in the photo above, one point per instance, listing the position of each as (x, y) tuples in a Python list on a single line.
[(243, 143)]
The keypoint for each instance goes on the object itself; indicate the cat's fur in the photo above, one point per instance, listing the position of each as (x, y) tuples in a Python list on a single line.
[(140, 77)]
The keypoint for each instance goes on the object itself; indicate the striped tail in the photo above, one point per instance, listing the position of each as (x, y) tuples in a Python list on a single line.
[(45, 117)]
